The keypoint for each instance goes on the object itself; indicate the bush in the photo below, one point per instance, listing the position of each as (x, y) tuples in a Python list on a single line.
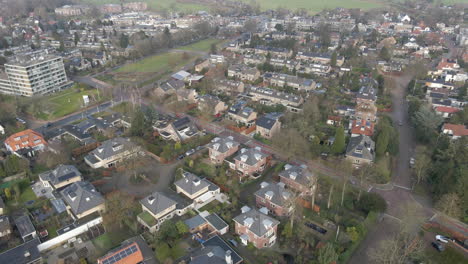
[(371, 202)]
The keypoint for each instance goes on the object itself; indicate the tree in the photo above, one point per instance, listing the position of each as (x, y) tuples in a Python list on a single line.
[(120, 209), (163, 252), (76, 37), (138, 124), (371, 202), (213, 48), (333, 59), (327, 254), (422, 163), (449, 204), (279, 27), (123, 41), (382, 142), (338, 146), (182, 228), (62, 46), (353, 233), (426, 123), (168, 231), (250, 26), (385, 54), (7, 192), (3, 60)]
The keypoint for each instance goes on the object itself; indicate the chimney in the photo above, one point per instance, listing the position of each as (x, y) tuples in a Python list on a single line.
[(228, 257)]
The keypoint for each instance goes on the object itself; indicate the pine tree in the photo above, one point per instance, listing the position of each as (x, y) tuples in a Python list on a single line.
[(339, 144)]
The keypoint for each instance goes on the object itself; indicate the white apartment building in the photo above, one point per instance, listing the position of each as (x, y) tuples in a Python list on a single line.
[(34, 76)]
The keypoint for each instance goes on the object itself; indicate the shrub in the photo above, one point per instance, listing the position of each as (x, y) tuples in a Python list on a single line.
[(371, 202)]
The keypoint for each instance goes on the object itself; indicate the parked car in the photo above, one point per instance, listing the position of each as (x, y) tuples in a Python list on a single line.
[(400, 123), (443, 239), (189, 152), (438, 246), (20, 120), (232, 242), (181, 157), (412, 161), (316, 228)]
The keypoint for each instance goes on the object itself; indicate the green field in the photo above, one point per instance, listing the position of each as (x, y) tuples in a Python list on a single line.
[(158, 5), (203, 45), (318, 5), (68, 101), (157, 63)]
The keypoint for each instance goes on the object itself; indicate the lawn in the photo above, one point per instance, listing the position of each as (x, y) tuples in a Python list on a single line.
[(157, 63), (68, 101), (203, 45), (318, 5)]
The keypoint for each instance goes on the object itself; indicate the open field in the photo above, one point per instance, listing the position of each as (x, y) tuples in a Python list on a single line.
[(203, 45), (157, 63), (318, 5), (157, 5)]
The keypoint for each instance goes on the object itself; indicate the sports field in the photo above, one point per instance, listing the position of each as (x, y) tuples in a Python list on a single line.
[(158, 63)]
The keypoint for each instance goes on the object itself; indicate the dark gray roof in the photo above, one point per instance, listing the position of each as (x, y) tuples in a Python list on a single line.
[(23, 254), (81, 196), (157, 202), (195, 221), (191, 183), (172, 85), (223, 145), (215, 221), (362, 147), (60, 174), (110, 148), (250, 156), (296, 173), (244, 69), (275, 192), (266, 122), (214, 251), (259, 223), (24, 225), (267, 92)]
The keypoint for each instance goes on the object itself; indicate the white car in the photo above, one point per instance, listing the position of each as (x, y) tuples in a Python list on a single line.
[(443, 239)]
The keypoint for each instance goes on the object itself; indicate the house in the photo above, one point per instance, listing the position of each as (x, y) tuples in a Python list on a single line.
[(298, 178), (269, 96), (25, 143), (282, 80), (215, 251), (241, 114), (217, 59), (128, 253), (360, 150), (111, 152), (275, 198), (82, 199), (255, 227), (321, 58), (446, 111), (157, 208), (254, 59), (221, 148), (61, 176), (249, 162), (26, 253), (264, 50), (211, 104), (455, 131), (229, 87), (181, 76), (243, 72), (268, 125), (334, 120), (196, 189), (365, 100), (5, 226), (25, 227), (187, 95), (178, 130), (362, 127), (207, 223), (169, 87)]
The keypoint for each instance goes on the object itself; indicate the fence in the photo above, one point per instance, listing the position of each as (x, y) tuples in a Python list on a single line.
[(70, 234)]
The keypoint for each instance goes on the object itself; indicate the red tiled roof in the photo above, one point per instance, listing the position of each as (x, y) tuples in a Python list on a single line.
[(457, 130), (363, 128), (25, 139), (124, 255), (334, 118), (447, 109)]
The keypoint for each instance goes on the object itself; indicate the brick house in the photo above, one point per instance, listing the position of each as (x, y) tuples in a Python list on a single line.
[(255, 227), (362, 127), (249, 162), (274, 197), (211, 104), (243, 72), (267, 126), (229, 87), (298, 178), (221, 148)]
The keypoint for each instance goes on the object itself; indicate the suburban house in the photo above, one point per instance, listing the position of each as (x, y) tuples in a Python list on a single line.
[(242, 114), (61, 176), (298, 178), (229, 87), (334, 120), (211, 104), (446, 111), (365, 100), (360, 150), (221, 148), (322, 58), (264, 50), (269, 96), (268, 125), (455, 131), (177, 130), (243, 72), (111, 152), (25, 227), (362, 127), (157, 208), (25, 143), (5, 226), (193, 187), (282, 80), (82, 199), (207, 223), (169, 87), (26, 253), (255, 227), (275, 198), (189, 96), (128, 253), (249, 162), (254, 59), (215, 251)]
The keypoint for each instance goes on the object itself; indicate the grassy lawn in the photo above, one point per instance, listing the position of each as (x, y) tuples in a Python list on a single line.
[(318, 5), (145, 216), (203, 45), (157, 63), (68, 102), (450, 255)]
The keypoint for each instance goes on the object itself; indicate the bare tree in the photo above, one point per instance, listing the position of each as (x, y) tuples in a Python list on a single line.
[(422, 163), (449, 204), (330, 196)]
